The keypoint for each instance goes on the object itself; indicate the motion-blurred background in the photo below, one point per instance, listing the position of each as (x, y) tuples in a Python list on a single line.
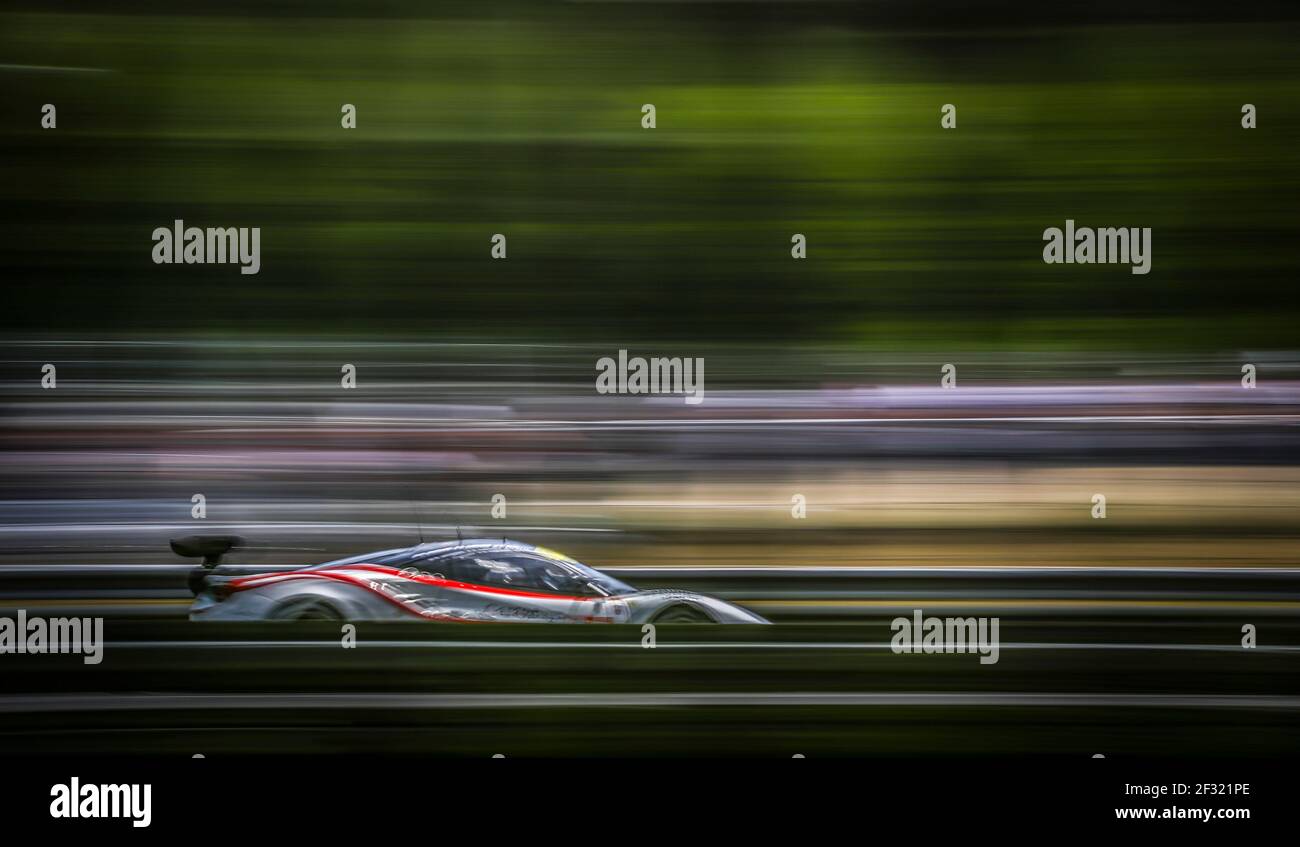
[(476, 376)]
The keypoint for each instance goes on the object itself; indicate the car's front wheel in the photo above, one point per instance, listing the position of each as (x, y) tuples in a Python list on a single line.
[(682, 614)]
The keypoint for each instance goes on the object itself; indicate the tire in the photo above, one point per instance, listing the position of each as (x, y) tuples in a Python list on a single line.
[(682, 614), (306, 609)]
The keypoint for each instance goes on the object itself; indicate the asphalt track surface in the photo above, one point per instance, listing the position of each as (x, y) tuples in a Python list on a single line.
[(1164, 674)]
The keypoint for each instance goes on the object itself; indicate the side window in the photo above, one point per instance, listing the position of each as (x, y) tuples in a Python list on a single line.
[(487, 568)]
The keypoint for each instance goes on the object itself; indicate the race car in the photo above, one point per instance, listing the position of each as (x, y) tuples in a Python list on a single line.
[(467, 581)]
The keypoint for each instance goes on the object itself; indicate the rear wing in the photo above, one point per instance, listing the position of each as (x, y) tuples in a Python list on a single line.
[(209, 547)]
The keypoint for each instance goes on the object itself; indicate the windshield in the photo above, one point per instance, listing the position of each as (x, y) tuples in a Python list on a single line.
[(604, 582)]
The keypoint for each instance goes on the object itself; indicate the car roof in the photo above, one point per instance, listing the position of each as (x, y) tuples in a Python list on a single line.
[(431, 549)]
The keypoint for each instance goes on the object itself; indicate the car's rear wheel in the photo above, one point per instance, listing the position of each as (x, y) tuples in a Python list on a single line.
[(307, 609), (682, 614)]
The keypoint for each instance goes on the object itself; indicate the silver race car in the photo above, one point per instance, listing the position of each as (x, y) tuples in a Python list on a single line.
[(455, 581)]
